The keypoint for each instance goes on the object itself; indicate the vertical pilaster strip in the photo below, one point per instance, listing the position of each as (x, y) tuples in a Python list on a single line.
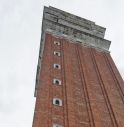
[(114, 78), (83, 83), (66, 120), (103, 88), (105, 93), (50, 87), (81, 58), (116, 72)]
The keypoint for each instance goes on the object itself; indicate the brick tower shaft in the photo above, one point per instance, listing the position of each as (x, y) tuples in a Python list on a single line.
[(77, 82)]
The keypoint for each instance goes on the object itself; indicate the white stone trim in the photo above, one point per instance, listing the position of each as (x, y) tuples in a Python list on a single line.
[(56, 42), (54, 82), (57, 53), (57, 125), (57, 66), (57, 99)]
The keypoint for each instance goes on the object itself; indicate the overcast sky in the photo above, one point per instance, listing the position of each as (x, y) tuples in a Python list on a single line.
[(20, 30)]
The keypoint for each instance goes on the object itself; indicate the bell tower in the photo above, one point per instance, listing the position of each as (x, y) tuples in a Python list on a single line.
[(77, 82)]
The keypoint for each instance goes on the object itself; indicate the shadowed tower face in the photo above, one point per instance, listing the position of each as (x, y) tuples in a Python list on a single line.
[(77, 82)]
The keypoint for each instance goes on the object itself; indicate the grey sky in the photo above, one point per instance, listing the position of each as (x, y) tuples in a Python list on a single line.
[(20, 30)]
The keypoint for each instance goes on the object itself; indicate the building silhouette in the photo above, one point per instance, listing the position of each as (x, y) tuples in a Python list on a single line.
[(77, 82)]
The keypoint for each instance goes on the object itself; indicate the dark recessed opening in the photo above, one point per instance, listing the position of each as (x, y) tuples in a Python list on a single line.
[(57, 102), (57, 82), (57, 54), (57, 66)]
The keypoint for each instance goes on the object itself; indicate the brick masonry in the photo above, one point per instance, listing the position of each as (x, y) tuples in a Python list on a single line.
[(92, 89)]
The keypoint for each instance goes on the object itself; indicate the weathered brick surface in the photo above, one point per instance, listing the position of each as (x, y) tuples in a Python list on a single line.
[(92, 89)]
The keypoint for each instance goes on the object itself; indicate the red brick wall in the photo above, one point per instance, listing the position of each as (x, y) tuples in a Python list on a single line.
[(92, 89)]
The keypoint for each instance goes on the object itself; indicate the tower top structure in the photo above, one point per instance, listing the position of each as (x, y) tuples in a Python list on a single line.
[(71, 26)]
